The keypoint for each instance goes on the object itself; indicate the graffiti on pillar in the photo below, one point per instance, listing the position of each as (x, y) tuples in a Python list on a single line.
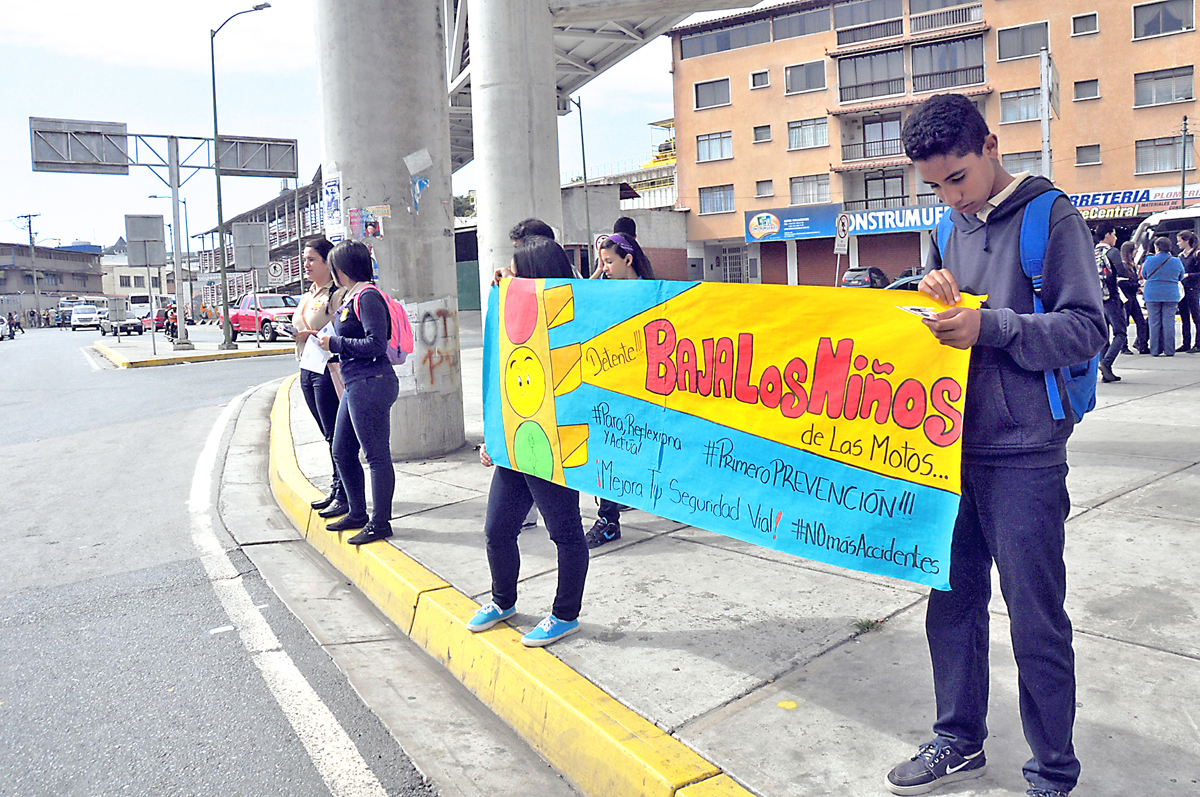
[(433, 367)]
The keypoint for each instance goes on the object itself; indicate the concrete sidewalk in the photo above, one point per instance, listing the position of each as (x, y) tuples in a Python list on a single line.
[(710, 666), (138, 351)]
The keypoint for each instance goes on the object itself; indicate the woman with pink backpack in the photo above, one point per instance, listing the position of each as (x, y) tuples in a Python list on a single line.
[(361, 339)]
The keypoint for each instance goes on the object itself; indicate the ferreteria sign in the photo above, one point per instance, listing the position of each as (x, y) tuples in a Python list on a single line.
[(837, 439)]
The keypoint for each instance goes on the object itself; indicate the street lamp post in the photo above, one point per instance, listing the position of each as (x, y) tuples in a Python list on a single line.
[(37, 293), (587, 205), (212, 52)]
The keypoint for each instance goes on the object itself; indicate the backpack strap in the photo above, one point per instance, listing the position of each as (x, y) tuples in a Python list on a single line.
[(945, 226), (1035, 232), (358, 293)]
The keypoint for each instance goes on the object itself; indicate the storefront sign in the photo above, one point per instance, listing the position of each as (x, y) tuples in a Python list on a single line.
[(783, 224)]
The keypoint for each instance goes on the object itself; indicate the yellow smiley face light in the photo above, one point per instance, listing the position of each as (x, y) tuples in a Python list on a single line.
[(524, 382)]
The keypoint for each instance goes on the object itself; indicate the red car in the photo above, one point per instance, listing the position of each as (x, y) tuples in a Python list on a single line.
[(274, 315), (158, 318)]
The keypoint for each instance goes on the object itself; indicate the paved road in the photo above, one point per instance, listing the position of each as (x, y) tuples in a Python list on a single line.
[(119, 670)]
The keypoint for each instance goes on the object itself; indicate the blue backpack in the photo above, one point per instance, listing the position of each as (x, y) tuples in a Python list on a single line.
[(1080, 379)]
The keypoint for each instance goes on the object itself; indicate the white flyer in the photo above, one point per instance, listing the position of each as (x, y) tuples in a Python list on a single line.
[(313, 357)]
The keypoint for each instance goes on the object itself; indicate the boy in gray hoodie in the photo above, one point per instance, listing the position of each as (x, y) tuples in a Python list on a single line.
[(1014, 497)]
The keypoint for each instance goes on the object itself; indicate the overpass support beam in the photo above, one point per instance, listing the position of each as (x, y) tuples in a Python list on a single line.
[(382, 74), (515, 120)]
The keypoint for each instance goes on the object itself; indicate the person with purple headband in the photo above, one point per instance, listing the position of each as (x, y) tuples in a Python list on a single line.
[(621, 258)]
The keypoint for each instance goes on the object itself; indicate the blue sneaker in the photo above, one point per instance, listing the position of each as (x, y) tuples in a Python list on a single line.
[(935, 764), (549, 630), (488, 615)]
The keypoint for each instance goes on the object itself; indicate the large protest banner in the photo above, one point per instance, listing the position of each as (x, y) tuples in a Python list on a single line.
[(822, 422)]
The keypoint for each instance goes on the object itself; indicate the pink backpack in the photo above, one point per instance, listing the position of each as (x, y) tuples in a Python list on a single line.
[(400, 337)]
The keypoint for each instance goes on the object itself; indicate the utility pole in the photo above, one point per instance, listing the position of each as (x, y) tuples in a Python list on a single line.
[(37, 292), (587, 205), (1183, 167)]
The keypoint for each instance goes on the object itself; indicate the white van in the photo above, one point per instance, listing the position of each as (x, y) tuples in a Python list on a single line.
[(84, 315), (1168, 223)]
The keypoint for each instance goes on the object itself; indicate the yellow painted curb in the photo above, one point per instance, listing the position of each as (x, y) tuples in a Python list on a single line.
[(186, 357), (597, 743)]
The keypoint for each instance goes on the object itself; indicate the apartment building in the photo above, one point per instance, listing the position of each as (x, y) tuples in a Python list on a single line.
[(787, 116)]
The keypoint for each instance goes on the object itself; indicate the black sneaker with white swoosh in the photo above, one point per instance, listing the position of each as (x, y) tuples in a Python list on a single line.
[(935, 764)]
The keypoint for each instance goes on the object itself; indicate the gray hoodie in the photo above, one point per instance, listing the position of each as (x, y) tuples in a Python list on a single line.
[(1007, 418)]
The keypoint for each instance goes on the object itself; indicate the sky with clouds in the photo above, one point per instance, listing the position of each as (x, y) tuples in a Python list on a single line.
[(146, 63)]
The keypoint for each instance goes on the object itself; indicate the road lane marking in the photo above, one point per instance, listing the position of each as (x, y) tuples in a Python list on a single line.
[(329, 747), (87, 355)]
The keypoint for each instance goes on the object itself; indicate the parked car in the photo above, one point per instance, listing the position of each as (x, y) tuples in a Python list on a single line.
[(127, 327), (909, 283), (158, 318), (865, 277), (5, 330), (274, 315), (84, 315)]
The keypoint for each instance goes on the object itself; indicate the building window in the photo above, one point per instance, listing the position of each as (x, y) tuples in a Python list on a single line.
[(139, 282), (712, 93), (1087, 155), (1023, 41), (764, 188), (126, 282), (762, 133), (803, 24), (51, 279), (874, 75), (1087, 89), (1163, 86), (947, 64), (1020, 106), (714, 146), (716, 199), (27, 279), (1017, 162), (812, 189), (808, 133), (1158, 19), (864, 20), (718, 41), (1162, 155), (760, 80), (922, 6), (804, 77), (881, 136), (885, 189), (80, 280), (154, 282), (1084, 24)]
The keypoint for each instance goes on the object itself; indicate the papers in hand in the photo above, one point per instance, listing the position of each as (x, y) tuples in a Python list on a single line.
[(313, 357)]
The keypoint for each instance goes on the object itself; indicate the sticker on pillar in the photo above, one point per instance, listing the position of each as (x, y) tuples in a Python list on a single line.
[(331, 190), (419, 184), (418, 161)]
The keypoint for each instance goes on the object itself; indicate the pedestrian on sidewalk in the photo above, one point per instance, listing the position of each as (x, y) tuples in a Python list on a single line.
[(1133, 308), (621, 258), (364, 419), (322, 391), (1163, 291), (513, 493), (1111, 268), (1014, 502), (1189, 306)]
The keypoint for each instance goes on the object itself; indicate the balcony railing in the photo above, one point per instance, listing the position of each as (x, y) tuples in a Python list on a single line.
[(928, 199), (872, 149), (876, 204), (866, 33), (945, 18), (865, 91), (968, 76)]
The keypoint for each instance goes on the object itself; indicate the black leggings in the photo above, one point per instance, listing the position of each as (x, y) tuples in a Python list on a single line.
[(322, 399)]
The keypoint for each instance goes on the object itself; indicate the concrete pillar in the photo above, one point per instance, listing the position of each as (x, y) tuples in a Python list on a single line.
[(514, 117), (381, 70), (793, 266)]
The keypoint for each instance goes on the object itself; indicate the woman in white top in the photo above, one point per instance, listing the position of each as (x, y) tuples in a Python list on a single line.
[(322, 391)]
